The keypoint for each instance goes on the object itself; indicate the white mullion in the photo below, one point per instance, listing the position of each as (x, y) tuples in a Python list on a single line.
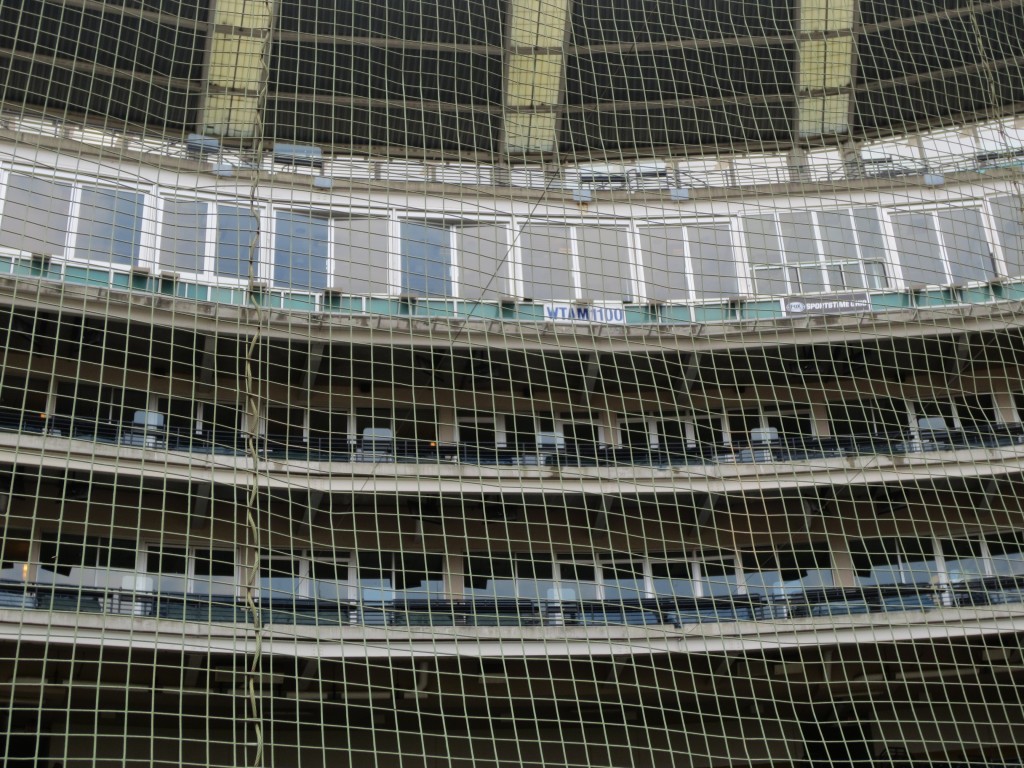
[(74, 214), (819, 245), (943, 250), (892, 253), (331, 265), (454, 274), (636, 262), (648, 571), (517, 287), (394, 254), (688, 264), (575, 260), (149, 236), (264, 243), (741, 256), (212, 225), (988, 223), (696, 573)]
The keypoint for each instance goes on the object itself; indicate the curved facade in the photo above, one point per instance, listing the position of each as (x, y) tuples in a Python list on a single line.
[(519, 79), (552, 384)]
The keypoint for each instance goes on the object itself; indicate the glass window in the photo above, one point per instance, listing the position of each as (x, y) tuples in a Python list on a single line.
[(300, 251), (426, 260), (877, 562), (376, 576), (622, 581), (1008, 213), (484, 256), (787, 571), (967, 248), (1007, 552), (663, 251), (361, 256), (578, 581), (169, 569), (673, 579), (604, 263), (329, 577), (764, 249), (15, 546), (917, 243), (214, 572), (534, 576), (800, 249), (917, 559), (547, 263), (394, 575), (35, 215), (85, 561), (109, 226), (419, 576), (714, 264), (237, 242), (867, 417), (280, 576), (719, 577), (490, 576), (183, 236), (964, 560)]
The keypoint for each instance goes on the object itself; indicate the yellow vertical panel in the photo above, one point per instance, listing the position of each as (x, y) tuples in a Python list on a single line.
[(826, 63), (538, 23), (226, 114), (244, 14), (826, 15), (533, 79), (236, 62), (824, 114), (532, 132)]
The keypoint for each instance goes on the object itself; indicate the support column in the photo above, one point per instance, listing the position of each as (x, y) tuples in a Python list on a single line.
[(819, 419), (237, 67), (843, 571), (454, 576), (1006, 408), (446, 426)]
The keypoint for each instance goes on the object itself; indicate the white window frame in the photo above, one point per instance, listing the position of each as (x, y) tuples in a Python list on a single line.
[(824, 264), (149, 548), (270, 264), (991, 239), (148, 226)]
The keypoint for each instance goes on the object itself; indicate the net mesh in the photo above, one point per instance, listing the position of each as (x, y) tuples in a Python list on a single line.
[(533, 382)]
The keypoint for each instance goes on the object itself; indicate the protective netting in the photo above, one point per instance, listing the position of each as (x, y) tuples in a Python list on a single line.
[(558, 383)]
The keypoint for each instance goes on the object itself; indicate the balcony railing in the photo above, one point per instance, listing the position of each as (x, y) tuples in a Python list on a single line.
[(494, 612), (398, 450)]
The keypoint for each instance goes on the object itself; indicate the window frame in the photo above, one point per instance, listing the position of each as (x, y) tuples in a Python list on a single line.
[(981, 207), (823, 264), (632, 283)]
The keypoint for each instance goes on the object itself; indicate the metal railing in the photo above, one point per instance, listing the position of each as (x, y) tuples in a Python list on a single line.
[(400, 450), (490, 611)]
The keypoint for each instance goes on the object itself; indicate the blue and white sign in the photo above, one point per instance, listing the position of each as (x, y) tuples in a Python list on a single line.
[(835, 304), (584, 313)]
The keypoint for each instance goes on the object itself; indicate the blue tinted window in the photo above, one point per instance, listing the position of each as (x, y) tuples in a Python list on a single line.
[(109, 226), (426, 260), (300, 251), (237, 234)]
